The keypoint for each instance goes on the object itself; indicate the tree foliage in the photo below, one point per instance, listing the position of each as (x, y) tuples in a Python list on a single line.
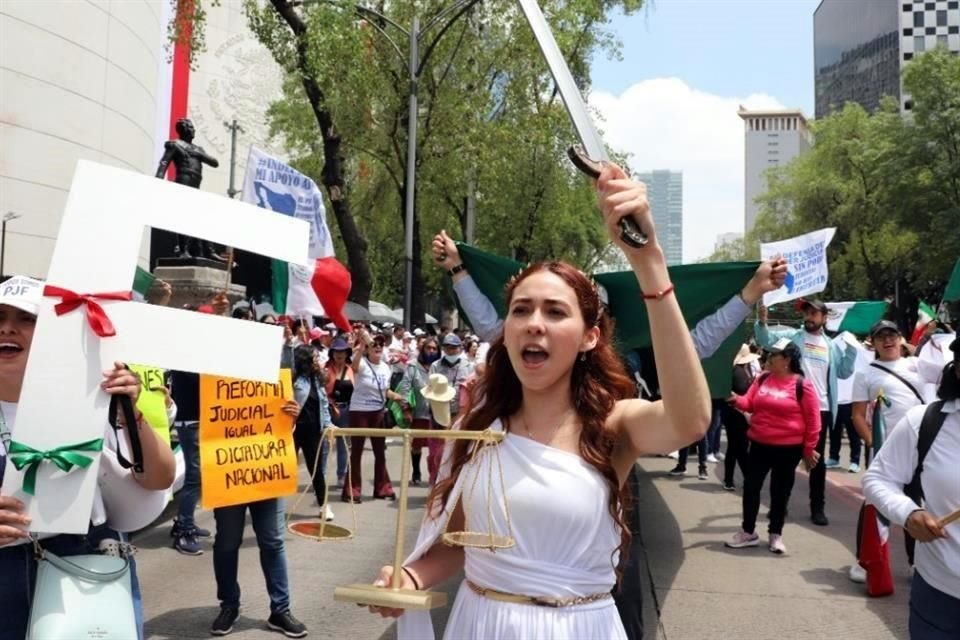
[(491, 125), (890, 184)]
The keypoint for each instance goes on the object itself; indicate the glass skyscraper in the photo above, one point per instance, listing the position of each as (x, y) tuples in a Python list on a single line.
[(665, 193)]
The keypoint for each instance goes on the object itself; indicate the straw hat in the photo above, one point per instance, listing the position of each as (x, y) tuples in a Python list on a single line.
[(439, 392), (745, 356)]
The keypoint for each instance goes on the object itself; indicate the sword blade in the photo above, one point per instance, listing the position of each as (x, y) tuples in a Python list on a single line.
[(576, 107)]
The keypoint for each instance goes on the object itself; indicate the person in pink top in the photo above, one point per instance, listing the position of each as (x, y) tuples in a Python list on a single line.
[(784, 428)]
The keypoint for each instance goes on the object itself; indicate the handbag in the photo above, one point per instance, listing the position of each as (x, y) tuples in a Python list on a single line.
[(85, 596)]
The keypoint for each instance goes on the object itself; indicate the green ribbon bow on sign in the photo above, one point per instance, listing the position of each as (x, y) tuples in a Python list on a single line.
[(66, 457)]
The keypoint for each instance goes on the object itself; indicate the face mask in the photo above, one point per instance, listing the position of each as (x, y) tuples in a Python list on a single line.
[(430, 358), (451, 360)]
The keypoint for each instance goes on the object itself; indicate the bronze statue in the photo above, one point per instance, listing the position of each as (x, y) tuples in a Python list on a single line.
[(188, 159)]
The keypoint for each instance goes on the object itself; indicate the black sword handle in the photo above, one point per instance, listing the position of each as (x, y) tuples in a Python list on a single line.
[(630, 233)]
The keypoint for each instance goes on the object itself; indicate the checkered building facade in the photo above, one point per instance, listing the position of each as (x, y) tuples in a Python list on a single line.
[(924, 26)]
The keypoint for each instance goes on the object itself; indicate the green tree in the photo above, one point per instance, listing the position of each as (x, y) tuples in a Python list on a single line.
[(890, 184), (491, 127)]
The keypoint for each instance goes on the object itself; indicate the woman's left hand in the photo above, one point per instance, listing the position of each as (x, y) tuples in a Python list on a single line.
[(121, 381), (620, 197), (291, 408)]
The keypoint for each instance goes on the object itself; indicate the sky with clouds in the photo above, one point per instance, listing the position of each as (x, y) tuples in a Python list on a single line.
[(671, 102)]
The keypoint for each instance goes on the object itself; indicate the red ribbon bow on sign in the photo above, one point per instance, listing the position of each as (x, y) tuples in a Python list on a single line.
[(96, 316)]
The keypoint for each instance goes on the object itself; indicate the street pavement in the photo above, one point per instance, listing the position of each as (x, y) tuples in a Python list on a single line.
[(703, 589)]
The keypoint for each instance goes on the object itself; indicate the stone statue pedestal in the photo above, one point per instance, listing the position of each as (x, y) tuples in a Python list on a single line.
[(196, 283)]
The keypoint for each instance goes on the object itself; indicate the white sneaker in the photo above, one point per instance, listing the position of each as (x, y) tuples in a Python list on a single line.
[(857, 574), (326, 513), (711, 458), (674, 454), (721, 456), (742, 539), (776, 544)]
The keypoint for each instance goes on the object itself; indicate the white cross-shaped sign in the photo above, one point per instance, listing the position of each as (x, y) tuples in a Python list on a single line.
[(96, 252)]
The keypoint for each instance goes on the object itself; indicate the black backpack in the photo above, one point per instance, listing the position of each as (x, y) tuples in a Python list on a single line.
[(933, 418), (766, 374)]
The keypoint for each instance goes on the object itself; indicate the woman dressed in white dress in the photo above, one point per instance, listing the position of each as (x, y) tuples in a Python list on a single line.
[(556, 386)]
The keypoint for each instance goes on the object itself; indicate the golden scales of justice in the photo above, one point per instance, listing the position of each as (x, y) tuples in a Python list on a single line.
[(485, 453)]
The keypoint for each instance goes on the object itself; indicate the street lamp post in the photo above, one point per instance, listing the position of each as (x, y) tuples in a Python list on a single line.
[(415, 64), (7, 217)]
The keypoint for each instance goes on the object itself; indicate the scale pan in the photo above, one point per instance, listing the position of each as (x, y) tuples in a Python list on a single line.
[(318, 530), (478, 540)]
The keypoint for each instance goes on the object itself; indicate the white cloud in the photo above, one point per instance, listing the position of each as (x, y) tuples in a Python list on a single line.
[(665, 124)]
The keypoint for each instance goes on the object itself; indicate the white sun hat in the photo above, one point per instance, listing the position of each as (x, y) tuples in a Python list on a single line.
[(439, 392)]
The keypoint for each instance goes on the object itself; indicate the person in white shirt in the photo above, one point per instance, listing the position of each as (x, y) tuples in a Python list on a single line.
[(124, 501), (900, 381), (935, 593)]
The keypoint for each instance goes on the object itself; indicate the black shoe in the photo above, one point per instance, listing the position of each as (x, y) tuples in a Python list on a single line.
[(728, 486), (286, 624), (819, 518), (176, 531), (224, 622), (678, 470)]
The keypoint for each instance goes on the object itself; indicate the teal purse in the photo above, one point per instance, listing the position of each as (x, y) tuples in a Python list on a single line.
[(87, 596)]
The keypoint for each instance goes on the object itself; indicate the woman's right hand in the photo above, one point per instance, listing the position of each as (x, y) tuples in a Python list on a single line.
[(385, 580), (11, 519)]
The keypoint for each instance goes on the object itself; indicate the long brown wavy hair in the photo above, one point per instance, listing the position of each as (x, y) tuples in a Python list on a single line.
[(598, 381)]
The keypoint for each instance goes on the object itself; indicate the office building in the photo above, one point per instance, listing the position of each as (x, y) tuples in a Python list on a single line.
[(665, 193), (92, 80), (773, 138), (861, 47)]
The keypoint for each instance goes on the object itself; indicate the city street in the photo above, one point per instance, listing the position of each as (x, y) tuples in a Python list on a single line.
[(704, 589)]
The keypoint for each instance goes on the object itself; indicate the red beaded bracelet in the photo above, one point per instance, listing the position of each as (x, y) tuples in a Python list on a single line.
[(659, 295)]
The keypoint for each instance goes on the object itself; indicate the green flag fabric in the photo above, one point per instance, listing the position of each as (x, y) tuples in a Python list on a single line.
[(953, 286), (142, 280), (700, 289)]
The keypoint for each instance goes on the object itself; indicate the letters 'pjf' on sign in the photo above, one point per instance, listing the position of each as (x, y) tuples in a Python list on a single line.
[(246, 441), (96, 252), (806, 258)]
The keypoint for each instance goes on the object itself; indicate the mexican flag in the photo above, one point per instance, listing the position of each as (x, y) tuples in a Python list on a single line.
[(875, 537), (925, 315), (855, 317), (317, 289)]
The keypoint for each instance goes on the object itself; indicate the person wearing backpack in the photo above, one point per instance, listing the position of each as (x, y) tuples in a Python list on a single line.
[(825, 361), (925, 449), (784, 429), (901, 383)]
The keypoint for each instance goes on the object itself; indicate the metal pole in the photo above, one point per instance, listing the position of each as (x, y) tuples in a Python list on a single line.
[(411, 173), (233, 127), (471, 225), (3, 245)]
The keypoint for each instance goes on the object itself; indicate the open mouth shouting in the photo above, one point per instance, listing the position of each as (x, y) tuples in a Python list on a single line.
[(534, 356), (9, 349)]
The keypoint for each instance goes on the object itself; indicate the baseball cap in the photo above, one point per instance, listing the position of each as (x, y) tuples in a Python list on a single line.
[(815, 303), (452, 340), (23, 293), (780, 345), (884, 325), (418, 332)]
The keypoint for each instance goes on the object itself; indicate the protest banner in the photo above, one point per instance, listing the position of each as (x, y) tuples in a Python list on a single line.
[(85, 324), (246, 441), (806, 258), (152, 402)]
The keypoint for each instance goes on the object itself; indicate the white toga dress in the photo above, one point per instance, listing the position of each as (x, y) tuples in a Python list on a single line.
[(566, 546)]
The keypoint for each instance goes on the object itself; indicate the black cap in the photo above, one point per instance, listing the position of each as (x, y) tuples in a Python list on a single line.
[(817, 304), (884, 325)]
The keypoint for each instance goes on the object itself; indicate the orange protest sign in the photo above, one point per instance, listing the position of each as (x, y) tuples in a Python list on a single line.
[(246, 441)]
